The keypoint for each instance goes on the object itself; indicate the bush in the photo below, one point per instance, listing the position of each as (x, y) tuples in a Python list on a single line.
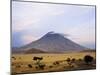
[(73, 60), (19, 57), (14, 58), (37, 58), (56, 63), (79, 59), (13, 73), (88, 59), (50, 66), (18, 66), (68, 60), (41, 66), (36, 67), (29, 65)]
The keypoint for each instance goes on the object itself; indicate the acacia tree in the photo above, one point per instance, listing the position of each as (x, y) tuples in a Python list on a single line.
[(38, 62), (37, 59)]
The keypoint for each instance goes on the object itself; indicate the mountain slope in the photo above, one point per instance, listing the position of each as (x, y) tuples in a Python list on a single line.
[(54, 42)]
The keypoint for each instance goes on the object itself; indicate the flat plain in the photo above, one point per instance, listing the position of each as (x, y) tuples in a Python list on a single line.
[(50, 62)]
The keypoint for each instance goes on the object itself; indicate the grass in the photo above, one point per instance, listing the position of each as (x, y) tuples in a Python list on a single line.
[(22, 62)]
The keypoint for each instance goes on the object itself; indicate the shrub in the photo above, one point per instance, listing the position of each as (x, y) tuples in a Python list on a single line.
[(19, 57), (73, 60), (29, 65), (36, 67), (14, 58), (18, 66), (13, 73), (41, 66), (12, 64), (88, 59), (68, 60), (79, 59), (56, 63), (50, 66)]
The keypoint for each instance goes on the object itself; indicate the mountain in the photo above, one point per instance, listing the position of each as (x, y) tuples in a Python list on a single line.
[(53, 42)]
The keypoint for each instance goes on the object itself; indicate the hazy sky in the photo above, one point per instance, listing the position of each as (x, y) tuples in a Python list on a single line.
[(30, 21)]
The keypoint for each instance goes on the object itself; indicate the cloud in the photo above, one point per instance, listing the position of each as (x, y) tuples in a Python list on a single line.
[(24, 24), (65, 35), (27, 39)]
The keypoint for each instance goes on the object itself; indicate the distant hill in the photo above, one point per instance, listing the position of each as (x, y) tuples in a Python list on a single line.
[(16, 50), (33, 50), (89, 50)]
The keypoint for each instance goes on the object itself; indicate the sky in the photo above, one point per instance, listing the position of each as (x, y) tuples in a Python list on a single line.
[(30, 21)]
